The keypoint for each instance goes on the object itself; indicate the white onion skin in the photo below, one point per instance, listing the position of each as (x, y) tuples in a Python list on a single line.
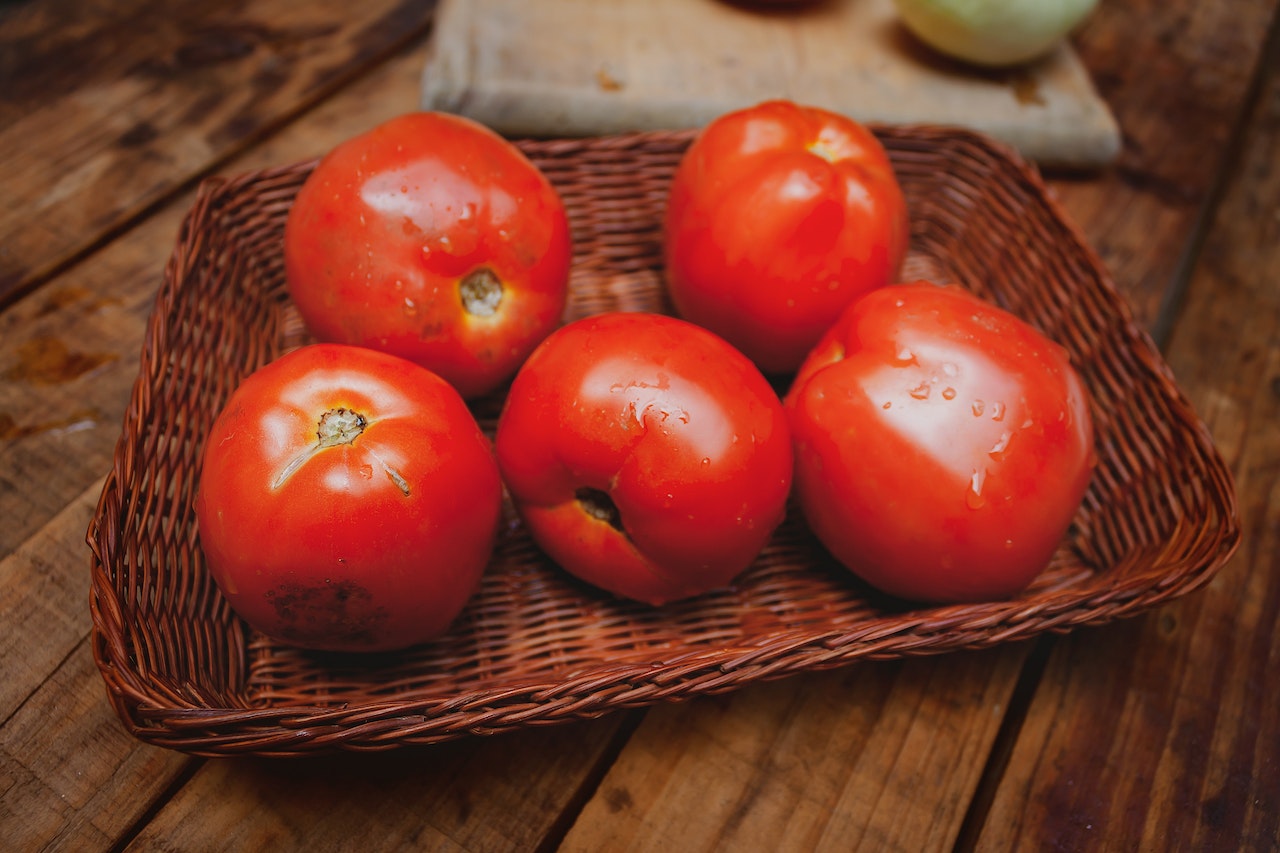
[(993, 33)]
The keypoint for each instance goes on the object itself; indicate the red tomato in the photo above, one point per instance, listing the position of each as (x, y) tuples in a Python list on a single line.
[(646, 455), (778, 217), (432, 238), (942, 444), (348, 500)]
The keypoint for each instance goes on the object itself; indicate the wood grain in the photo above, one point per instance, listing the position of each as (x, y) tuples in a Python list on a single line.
[(71, 778), (1162, 734), (503, 792), (832, 761), (143, 95), (1176, 75), (1157, 733)]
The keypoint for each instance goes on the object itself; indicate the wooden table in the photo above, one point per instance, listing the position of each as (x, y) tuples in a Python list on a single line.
[(1157, 732)]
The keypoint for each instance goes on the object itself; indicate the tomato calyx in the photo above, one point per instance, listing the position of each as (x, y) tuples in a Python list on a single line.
[(598, 504), (481, 292)]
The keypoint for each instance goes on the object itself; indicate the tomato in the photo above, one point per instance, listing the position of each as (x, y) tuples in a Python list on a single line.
[(646, 455), (348, 501), (435, 239), (778, 217), (942, 444)]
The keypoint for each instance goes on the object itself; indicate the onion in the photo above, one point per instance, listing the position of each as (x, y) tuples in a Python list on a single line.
[(993, 32)]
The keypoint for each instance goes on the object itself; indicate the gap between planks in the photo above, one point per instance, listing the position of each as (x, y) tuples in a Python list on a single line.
[(1175, 294)]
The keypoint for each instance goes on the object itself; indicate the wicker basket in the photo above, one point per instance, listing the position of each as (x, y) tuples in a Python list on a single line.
[(536, 647)]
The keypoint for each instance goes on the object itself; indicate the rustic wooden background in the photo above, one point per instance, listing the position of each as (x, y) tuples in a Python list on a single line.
[(1158, 732)]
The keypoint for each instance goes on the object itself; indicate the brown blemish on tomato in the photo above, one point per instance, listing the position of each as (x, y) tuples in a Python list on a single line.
[(342, 613)]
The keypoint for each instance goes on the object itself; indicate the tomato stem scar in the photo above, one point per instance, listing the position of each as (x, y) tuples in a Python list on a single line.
[(481, 292), (599, 505), (336, 426), (339, 426)]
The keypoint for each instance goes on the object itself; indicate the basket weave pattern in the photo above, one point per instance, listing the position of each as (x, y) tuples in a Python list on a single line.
[(537, 647)]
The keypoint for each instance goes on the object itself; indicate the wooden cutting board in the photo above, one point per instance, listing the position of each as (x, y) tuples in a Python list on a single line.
[(587, 67)]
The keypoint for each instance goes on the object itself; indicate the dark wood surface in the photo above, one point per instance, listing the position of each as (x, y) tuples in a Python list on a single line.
[(1158, 732)]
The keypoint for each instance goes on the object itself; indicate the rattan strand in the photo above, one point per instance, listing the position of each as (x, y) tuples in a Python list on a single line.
[(535, 647)]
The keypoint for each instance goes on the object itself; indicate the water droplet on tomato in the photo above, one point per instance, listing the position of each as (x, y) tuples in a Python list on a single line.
[(948, 393), (906, 356), (920, 392), (973, 497), (887, 404), (949, 369), (706, 460), (997, 411), (978, 408), (1002, 444)]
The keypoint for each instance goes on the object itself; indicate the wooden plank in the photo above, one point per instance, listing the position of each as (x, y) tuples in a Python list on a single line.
[(590, 67), (1176, 75), (505, 792), (71, 778), (1163, 733), (45, 608), (834, 761), (157, 93), (68, 356)]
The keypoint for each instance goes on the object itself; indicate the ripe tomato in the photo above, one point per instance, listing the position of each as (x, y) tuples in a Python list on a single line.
[(432, 238), (942, 444), (646, 455), (778, 217), (348, 500)]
